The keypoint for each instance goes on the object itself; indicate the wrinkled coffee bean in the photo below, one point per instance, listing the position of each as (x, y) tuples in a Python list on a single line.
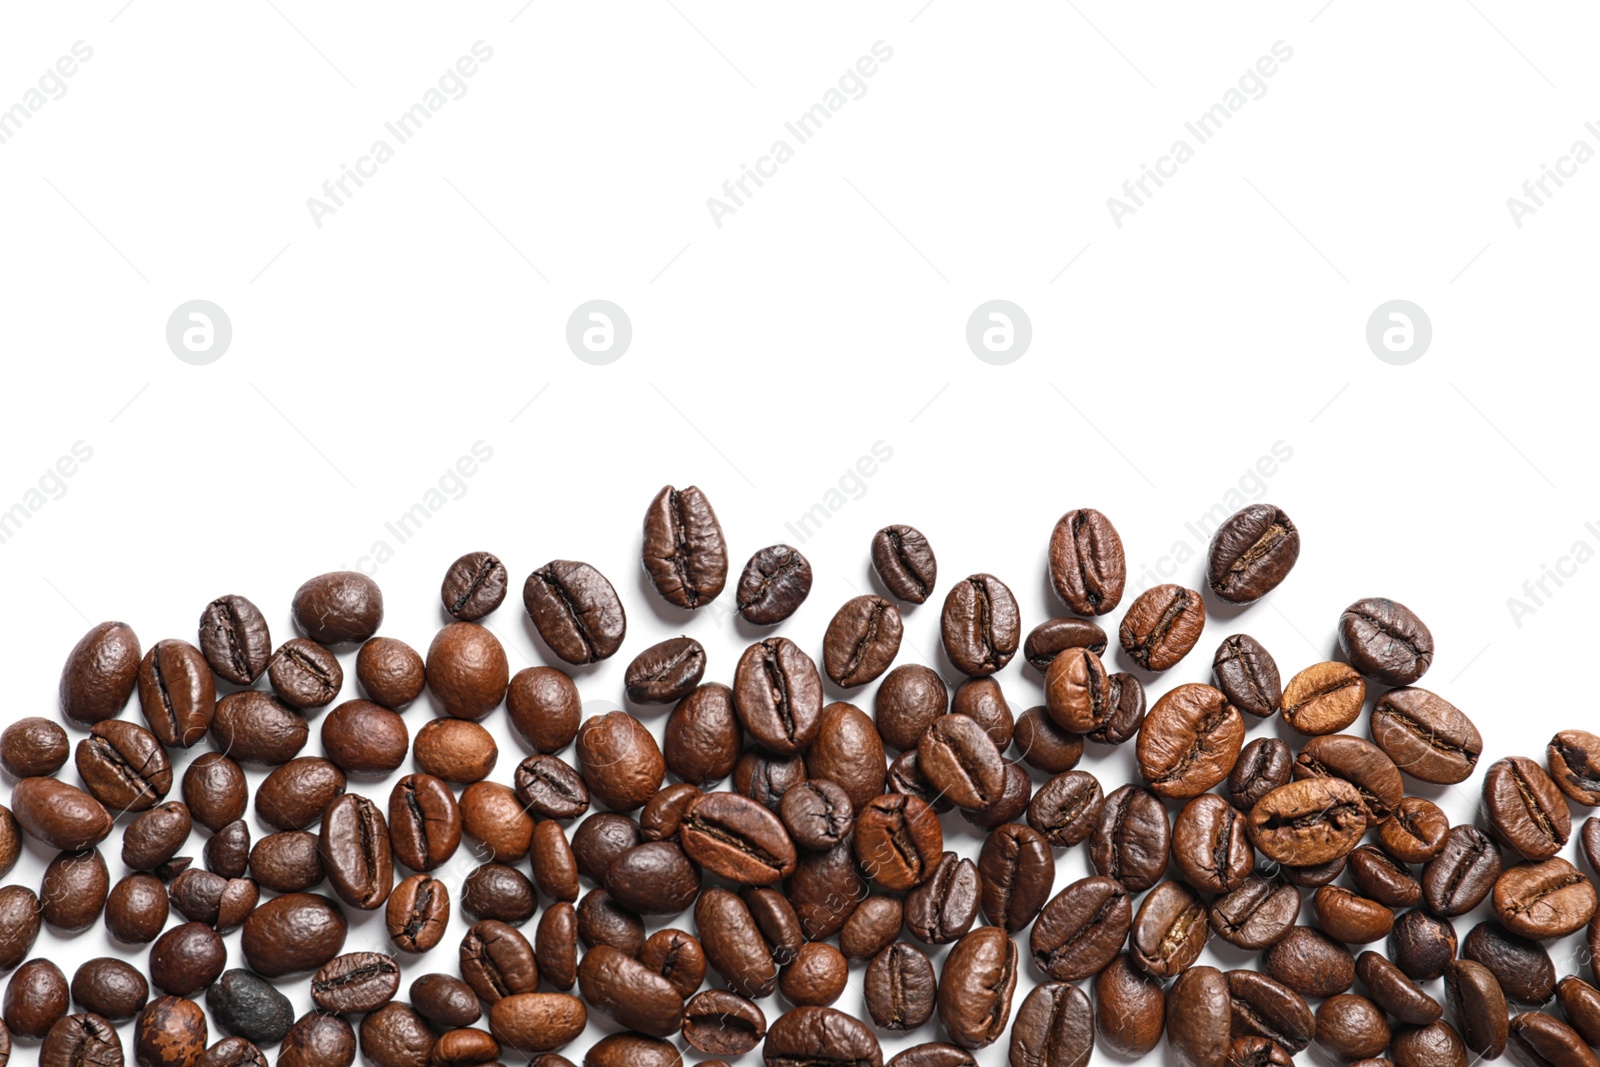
[(1198, 1026), (474, 586), (244, 1005), (1421, 944), (235, 639), (1081, 929), (685, 553), (294, 796), (905, 563), (1521, 966), (1263, 765), (1526, 811), (1324, 698), (1189, 742), (1426, 736), (1087, 565), (1162, 625), (339, 608), (1247, 675), (1384, 639), (980, 625), (774, 584), (1479, 1006), (665, 672), (1130, 842), (1463, 873), (1052, 637), (33, 747), (304, 674), (778, 695), (576, 611), (861, 641), (1251, 553), (99, 675)]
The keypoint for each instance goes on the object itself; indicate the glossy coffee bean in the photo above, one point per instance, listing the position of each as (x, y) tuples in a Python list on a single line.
[(1352, 1027), (395, 1036), (286, 862), (1350, 917), (1262, 1006), (961, 762), (602, 921), (905, 563), (73, 890), (244, 1005), (467, 670), (816, 976), (1324, 698), (980, 625), (908, 700), (555, 866), (1197, 1018), (170, 1032), (235, 639), (1045, 746), (1087, 566), (497, 961), (1526, 811), (665, 672), (1247, 675), (85, 1038), (1539, 1039), (1189, 742), (339, 608), (576, 611), (720, 1023), (1479, 1006), (305, 674), (1210, 846), (1421, 944), (35, 997), (177, 693), (1463, 874), (944, 906), (33, 747), (99, 675), (975, 987), (1384, 639), (1052, 637), (1131, 841), (619, 761), (455, 750), (318, 1039), (292, 933), (444, 1000), (1521, 966), (1416, 832), (871, 927), (736, 838), (1434, 1045), (675, 955), (123, 766), (417, 913), (861, 641), (474, 586), (549, 787), (1081, 929), (294, 796), (685, 553), (1543, 900), (1580, 1005), (898, 841), (227, 852), (110, 988), (1308, 822), (817, 814), (848, 752), (1573, 760), (60, 815), (1311, 963), (136, 911), (186, 959), (1077, 690), (1379, 876), (1427, 737), (390, 671), (256, 727), (1127, 711), (1067, 808), (1263, 765), (625, 990), (1394, 992), (733, 944), (1162, 626), (601, 838), (1017, 870), (655, 878), (1168, 931), (203, 897), (544, 709), (702, 739), (1054, 1027), (355, 983), (356, 852), (1358, 762), (1251, 553), (1129, 1008), (496, 891), (778, 695), (775, 582)]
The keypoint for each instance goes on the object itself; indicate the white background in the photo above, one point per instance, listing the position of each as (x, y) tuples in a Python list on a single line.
[(1168, 356)]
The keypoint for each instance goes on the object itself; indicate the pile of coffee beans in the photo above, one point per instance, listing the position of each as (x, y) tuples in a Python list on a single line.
[(799, 845)]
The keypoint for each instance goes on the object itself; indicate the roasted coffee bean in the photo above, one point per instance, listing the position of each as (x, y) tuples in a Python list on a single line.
[(1324, 698), (778, 695), (1421, 944), (1247, 675), (624, 1050), (19, 924), (861, 641), (1127, 711), (1522, 967), (1263, 765), (1081, 928), (1262, 1006), (99, 675), (495, 891), (1541, 1040), (256, 727), (555, 867), (872, 927), (1349, 917), (1169, 930), (1358, 762), (980, 625), (544, 709), (136, 910), (1590, 839), (654, 878), (823, 1037), (905, 776), (1129, 1008), (492, 815), (73, 890), (292, 933), (1426, 736), (1054, 636), (395, 1036), (364, 738), (602, 921), (1017, 870), (1198, 1026), (898, 840), (1077, 691), (287, 862), (662, 815), (601, 838), (1012, 802), (576, 611), (356, 852), (1189, 742), (456, 750), (425, 822), (817, 813), (1543, 900), (110, 988), (304, 674), (982, 700), (548, 786), (465, 1048), (177, 693), (975, 987), (673, 954), (1395, 993), (155, 837), (81, 1039), (1573, 760), (1479, 1006), (1463, 874), (905, 563), (60, 815), (765, 778), (1314, 876), (355, 983), (721, 1023), (1526, 811), (778, 921), (1384, 639), (444, 1000), (228, 851), (961, 762), (1067, 808), (1251, 553), (1210, 845), (33, 747), (171, 1032), (339, 608), (943, 907), (555, 946), (703, 737), (733, 944), (235, 639), (474, 586), (848, 752), (390, 671), (1380, 877), (35, 997), (1311, 963), (684, 553), (1434, 1045), (1054, 1027), (1087, 565), (1132, 838), (736, 838), (933, 1054), (909, 699), (1580, 1003), (666, 672), (816, 976), (1307, 822), (294, 796), (1416, 833), (497, 961), (1162, 625), (774, 584), (203, 897), (244, 1005), (1351, 1027), (186, 959)]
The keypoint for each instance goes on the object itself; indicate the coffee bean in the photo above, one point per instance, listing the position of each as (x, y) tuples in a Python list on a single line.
[(576, 611), (548, 786), (1311, 963), (305, 675), (555, 867), (99, 675), (467, 671), (1054, 1027), (1132, 838), (176, 692), (294, 796), (1263, 765), (909, 699), (898, 840), (1198, 1018), (721, 1023), (497, 961), (35, 997), (1247, 675), (187, 959), (654, 878), (228, 851), (286, 862), (1087, 565), (685, 553), (73, 890), (339, 608), (544, 709), (1067, 808), (1127, 711), (816, 976), (136, 910), (618, 759), (355, 983), (444, 1000), (1324, 698), (1543, 900), (1479, 1006), (1262, 1006), (1463, 874), (1017, 870), (1383, 879), (203, 897), (1384, 639), (474, 586), (1351, 1027), (1526, 811), (171, 1032), (817, 813), (1580, 1003), (395, 1036), (62, 816), (244, 1005), (1046, 746), (33, 747), (779, 922), (736, 838), (1078, 691), (75, 1039), (495, 891), (1190, 741), (110, 988), (666, 672), (847, 752), (943, 907), (601, 838), (905, 563), (980, 625), (1161, 626), (673, 954), (390, 672), (975, 987), (872, 927), (235, 639), (292, 933), (1081, 928), (1397, 994), (906, 777), (861, 641), (1349, 917), (933, 1054), (1358, 762), (356, 852), (1542, 1040), (778, 695), (625, 1050), (703, 737), (1052, 637), (662, 815), (555, 946), (1307, 822), (465, 1048), (1129, 1008), (256, 727), (733, 944), (1522, 967), (1416, 832), (1169, 930), (1434, 1045), (455, 750), (822, 1037), (1251, 553), (1421, 944), (961, 762), (774, 584), (1573, 760), (124, 766)]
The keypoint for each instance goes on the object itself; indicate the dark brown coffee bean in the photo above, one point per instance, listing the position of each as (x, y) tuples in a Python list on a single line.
[(228, 851), (733, 944), (1046, 746), (778, 695), (961, 762), (444, 1000), (355, 983), (736, 838), (1384, 639), (1434, 1045), (774, 584), (304, 674), (1349, 917), (826, 887), (662, 815), (186, 959), (1580, 1003), (549, 787), (822, 1037), (1311, 963), (235, 639), (975, 987), (1308, 822), (1324, 698), (1351, 1027), (1081, 928), (872, 927), (1573, 760), (555, 945), (417, 913), (1087, 565), (203, 897), (1421, 944), (60, 815), (1590, 839), (1189, 742), (1479, 1006), (1463, 874), (1395, 993), (618, 759), (906, 777), (654, 878), (1210, 845), (1052, 637), (576, 611), (110, 988), (99, 675), (1251, 553), (497, 961), (673, 954), (124, 766), (905, 563), (1262, 1006), (555, 867), (339, 608), (1198, 1018), (1129, 1008), (292, 933), (1543, 900), (1526, 811), (1263, 765), (816, 976), (779, 922), (817, 814), (1380, 877), (900, 988), (1011, 805), (1067, 808), (1132, 838), (465, 1048), (1054, 1027), (861, 641), (73, 890), (1127, 711), (848, 752), (364, 738), (602, 921), (1247, 675), (703, 737), (171, 1032), (1078, 691), (395, 1036), (256, 727), (544, 708), (624, 1050), (909, 699), (1540, 1040), (666, 672), (287, 862), (1426, 736), (495, 891), (1169, 930), (177, 693), (601, 838), (33, 747), (1416, 833), (1522, 967), (1018, 870), (980, 625), (1314, 876), (685, 553), (474, 586), (933, 1054), (943, 907), (455, 750), (35, 997), (294, 796), (136, 911), (898, 840), (1358, 762), (356, 852), (721, 1023), (81, 1039)]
